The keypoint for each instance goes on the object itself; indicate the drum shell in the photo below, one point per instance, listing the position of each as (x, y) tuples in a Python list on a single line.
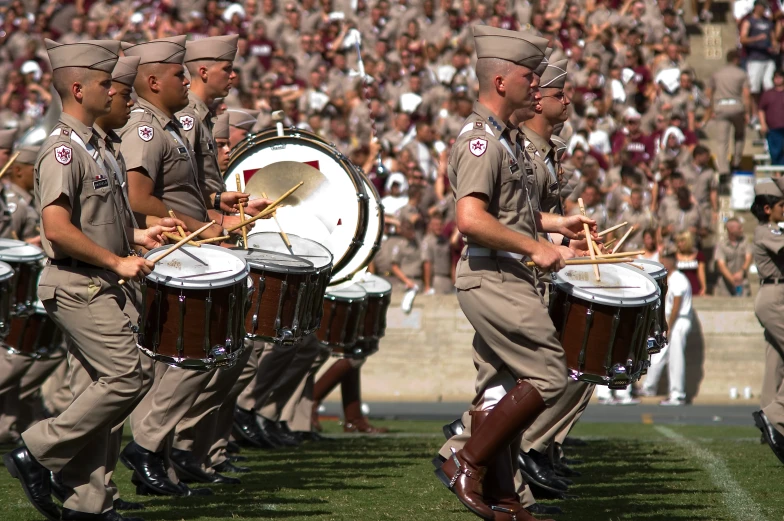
[(24, 286), (181, 326), (35, 335), (340, 322), (374, 325)]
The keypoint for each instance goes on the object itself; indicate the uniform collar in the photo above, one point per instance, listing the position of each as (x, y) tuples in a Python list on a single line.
[(198, 105), (494, 123), (542, 145), (82, 130), (109, 136), (162, 118)]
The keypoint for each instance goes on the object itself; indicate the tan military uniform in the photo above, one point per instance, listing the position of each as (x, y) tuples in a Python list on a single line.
[(682, 219), (544, 183), (734, 257), (641, 220), (409, 257), (438, 252), (196, 122), (729, 122)]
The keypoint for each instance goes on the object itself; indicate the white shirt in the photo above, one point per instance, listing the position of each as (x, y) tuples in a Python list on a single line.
[(599, 140), (678, 286)]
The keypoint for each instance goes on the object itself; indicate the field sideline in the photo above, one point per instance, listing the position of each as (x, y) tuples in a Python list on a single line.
[(630, 471)]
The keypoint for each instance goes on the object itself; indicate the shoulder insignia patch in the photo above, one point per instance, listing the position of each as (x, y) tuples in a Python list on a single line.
[(63, 154), (775, 231), (477, 146), (186, 122), (11, 206), (145, 132), (531, 147), (478, 124)]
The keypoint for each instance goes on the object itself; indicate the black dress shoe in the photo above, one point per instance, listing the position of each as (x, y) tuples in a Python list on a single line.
[(182, 489), (35, 480), (310, 436), (121, 504), (535, 468), (59, 491), (149, 467), (286, 430), (564, 471), (544, 510), (234, 459), (269, 432), (279, 429), (246, 429), (453, 429), (774, 438), (191, 472), (228, 466), (574, 442), (109, 515), (233, 448), (549, 494)]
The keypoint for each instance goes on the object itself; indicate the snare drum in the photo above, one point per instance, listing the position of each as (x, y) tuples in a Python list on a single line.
[(288, 288), (193, 307), (657, 339), (6, 293), (379, 295), (344, 311), (603, 326), (25, 259), (34, 334)]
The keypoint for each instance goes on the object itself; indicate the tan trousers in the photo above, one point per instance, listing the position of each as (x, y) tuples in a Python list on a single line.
[(12, 368), (96, 315), (30, 396), (554, 420), (769, 306), (57, 393), (298, 411), (729, 124), (273, 362)]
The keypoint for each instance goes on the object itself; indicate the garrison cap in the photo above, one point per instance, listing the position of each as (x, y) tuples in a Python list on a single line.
[(99, 55), (220, 130), (164, 50), (125, 70), (524, 49), (217, 48), (768, 188), (7, 139), (27, 155), (542, 66), (244, 119), (554, 76)]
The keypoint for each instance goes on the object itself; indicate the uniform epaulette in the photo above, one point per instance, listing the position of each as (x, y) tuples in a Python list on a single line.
[(142, 115)]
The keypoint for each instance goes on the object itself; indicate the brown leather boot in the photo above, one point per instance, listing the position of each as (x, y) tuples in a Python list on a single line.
[(354, 420), (464, 473), (325, 385)]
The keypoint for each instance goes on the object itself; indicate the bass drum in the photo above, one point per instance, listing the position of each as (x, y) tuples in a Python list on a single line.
[(331, 207)]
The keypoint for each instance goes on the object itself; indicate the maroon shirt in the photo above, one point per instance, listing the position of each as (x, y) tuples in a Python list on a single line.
[(263, 50), (635, 145), (772, 102)]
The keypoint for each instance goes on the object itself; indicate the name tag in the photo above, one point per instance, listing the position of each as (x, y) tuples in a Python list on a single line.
[(102, 183), (182, 150), (210, 147)]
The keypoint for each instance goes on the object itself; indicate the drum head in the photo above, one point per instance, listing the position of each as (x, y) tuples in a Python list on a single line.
[(348, 294), (331, 207), (6, 271), (315, 253), (620, 286), (19, 251), (372, 240), (375, 285), (198, 268), (652, 268), (273, 261)]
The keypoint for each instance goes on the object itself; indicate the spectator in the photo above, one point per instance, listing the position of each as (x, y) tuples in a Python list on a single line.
[(650, 245), (733, 259), (691, 262), (703, 181), (681, 217), (757, 38), (771, 117), (408, 259), (438, 266), (638, 216)]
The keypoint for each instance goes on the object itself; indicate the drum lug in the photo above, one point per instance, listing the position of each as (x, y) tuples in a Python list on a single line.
[(255, 319), (180, 346), (284, 286), (142, 322), (157, 339), (207, 314), (586, 334), (567, 307), (232, 304), (332, 312), (616, 320), (300, 295), (619, 377), (637, 341)]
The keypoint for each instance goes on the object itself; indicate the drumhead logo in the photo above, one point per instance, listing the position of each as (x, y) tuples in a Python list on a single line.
[(63, 154), (145, 132), (477, 146), (186, 122)]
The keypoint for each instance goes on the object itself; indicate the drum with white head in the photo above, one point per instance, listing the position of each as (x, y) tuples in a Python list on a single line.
[(344, 311), (25, 259), (193, 306), (658, 337)]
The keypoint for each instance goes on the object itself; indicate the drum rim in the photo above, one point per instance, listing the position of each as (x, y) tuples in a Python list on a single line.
[(335, 296), (661, 273), (631, 302), (363, 203), (224, 282), (320, 268), (5, 276), (382, 293), (29, 258), (304, 270)]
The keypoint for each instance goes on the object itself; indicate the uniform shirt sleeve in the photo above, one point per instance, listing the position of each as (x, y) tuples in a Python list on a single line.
[(146, 156), (397, 254), (56, 179), (772, 242), (30, 222), (477, 172), (720, 254)]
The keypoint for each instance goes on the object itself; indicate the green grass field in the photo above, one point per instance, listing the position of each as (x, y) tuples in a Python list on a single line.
[(630, 471)]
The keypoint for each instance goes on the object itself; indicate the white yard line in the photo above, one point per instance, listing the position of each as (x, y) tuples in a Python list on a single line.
[(738, 502)]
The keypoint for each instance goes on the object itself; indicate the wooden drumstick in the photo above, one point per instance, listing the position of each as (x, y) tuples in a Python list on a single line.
[(589, 240), (215, 239), (180, 230), (619, 255), (280, 228), (268, 210), (580, 262), (608, 230), (9, 163), (607, 244), (625, 236), (242, 214)]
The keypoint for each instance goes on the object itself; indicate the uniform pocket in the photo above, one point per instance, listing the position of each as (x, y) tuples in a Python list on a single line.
[(99, 207), (468, 282), (511, 189)]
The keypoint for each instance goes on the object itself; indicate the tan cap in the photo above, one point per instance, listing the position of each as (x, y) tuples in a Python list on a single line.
[(28, 155), (7, 139), (218, 48), (100, 55), (220, 130), (554, 76), (542, 66), (165, 50), (244, 119), (524, 49), (125, 70), (768, 188)]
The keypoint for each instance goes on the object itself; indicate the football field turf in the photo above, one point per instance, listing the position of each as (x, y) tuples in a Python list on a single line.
[(630, 471)]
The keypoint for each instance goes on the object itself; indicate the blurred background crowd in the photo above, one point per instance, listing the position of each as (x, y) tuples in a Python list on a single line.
[(636, 134)]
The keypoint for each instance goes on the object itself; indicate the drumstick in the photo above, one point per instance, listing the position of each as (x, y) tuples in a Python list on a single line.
[(268, 210), (608, 230), (180, 230), (182, 243), (175, 238), (214, 239), (619, 255), (606, 244), (280, 228), (242, 213), (590, 241), (9, 163), (620, 243), (580, 262), (14, 236)]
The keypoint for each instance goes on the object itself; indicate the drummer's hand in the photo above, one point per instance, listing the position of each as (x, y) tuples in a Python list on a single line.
[(547, 257), (230, 200), (566, 252), (579, 248), (256, 205), (168, 222), (572, 226), (131, 267), (233, 220), (152, 237)]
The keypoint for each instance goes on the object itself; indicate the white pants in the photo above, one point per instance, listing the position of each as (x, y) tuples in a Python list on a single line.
[(673, 354), (605, 393), (760, 75)]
